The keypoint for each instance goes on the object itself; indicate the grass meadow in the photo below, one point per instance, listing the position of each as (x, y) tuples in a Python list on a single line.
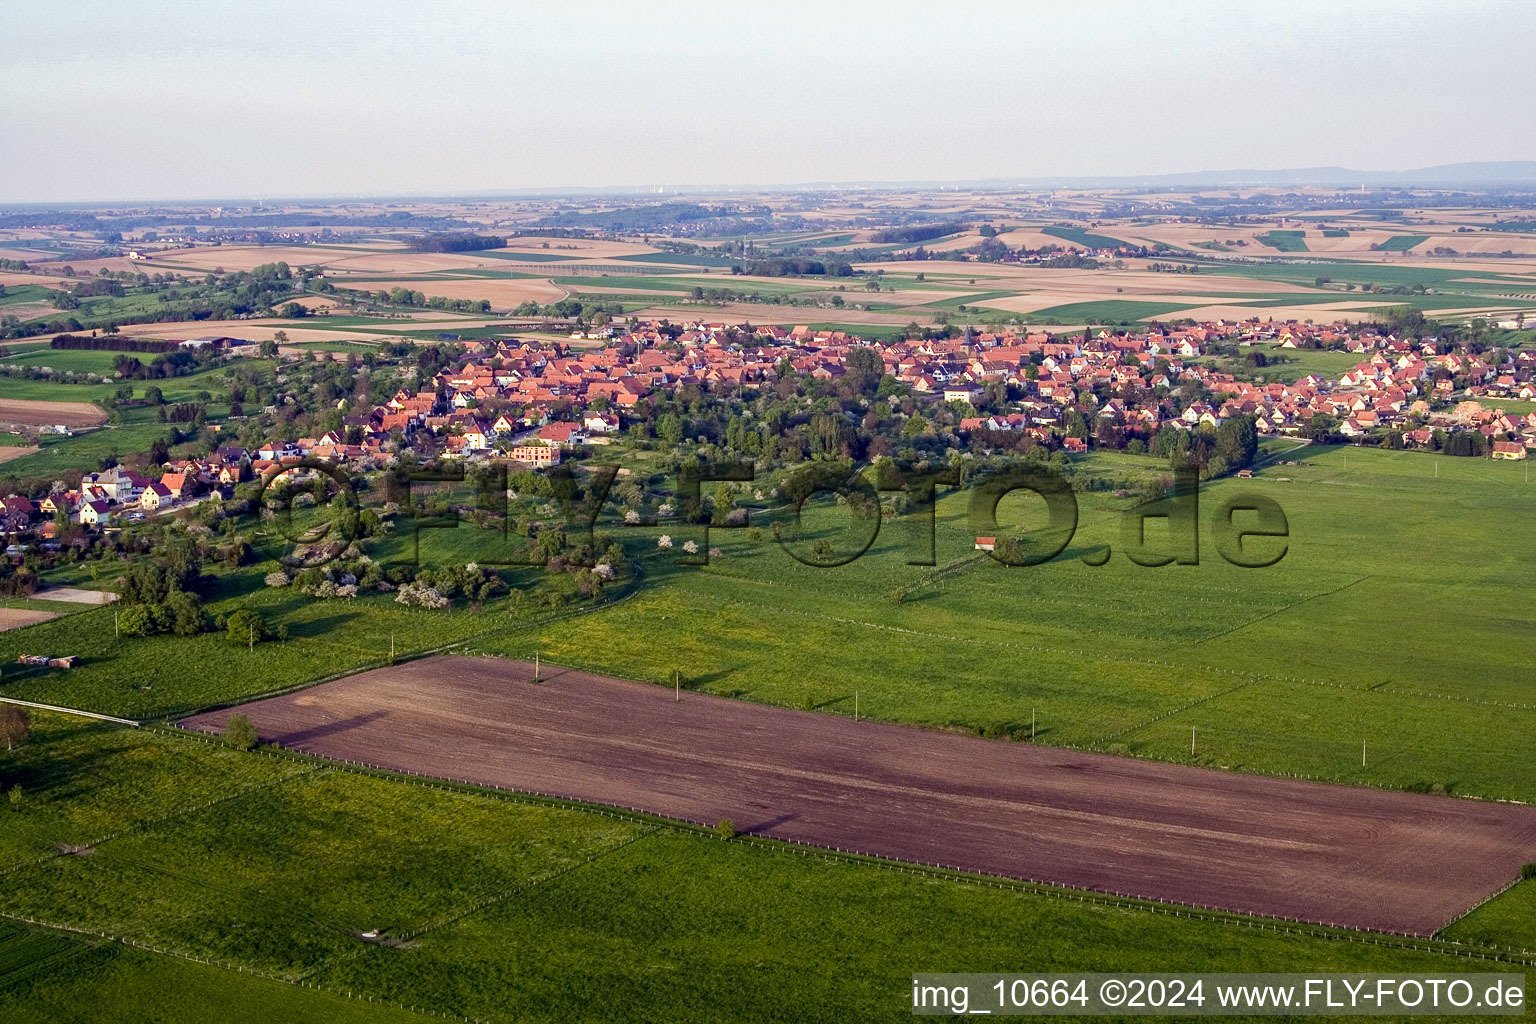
[(498, 908)]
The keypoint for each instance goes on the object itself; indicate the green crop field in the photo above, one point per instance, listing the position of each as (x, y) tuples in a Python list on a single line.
[(1402, 243), (687, 259), (211, 861), (77, 360), (1083, 237), (1285, 241), (1107, 310)]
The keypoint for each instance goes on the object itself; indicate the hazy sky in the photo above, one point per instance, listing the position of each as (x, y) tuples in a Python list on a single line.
[(145, 99)]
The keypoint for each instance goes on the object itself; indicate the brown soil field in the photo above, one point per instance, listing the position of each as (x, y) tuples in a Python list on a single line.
[(9, 452), (33, 412), (1276, 847), (15, 618), (12, 277)]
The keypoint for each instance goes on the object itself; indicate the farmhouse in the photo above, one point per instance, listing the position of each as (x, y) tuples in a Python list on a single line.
[(1508, 450)]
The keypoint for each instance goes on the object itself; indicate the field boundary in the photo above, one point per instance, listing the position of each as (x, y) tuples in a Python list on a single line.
[(71, 711)]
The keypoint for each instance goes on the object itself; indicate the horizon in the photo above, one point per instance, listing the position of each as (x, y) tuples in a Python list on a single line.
[(472, 98), (641, 190)]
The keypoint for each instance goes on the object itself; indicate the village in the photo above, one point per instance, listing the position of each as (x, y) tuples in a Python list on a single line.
[(533, 402)]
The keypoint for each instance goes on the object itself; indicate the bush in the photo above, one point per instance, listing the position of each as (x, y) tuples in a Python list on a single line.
[(135, 620), (1528, 871), (239, 732), (725, 828)]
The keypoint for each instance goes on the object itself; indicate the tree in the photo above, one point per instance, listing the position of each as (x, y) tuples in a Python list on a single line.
[(16, 795), (14, 726), (153, 395), (725, 828), (185, 612), (1237, 442), (246, 627), (240, 733)]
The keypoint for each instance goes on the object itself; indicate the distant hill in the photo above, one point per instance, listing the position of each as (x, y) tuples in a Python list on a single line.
[(1477, 175), (1470, 175)]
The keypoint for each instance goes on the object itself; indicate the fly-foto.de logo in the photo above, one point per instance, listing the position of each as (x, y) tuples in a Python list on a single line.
[(1247, 529)]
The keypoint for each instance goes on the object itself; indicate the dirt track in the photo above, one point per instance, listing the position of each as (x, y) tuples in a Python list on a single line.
[(1359, 857)]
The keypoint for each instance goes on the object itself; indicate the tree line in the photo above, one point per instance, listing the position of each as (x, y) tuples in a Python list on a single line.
[(459, 242)]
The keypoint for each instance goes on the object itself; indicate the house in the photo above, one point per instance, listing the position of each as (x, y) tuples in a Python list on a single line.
[(562, 434), (600, 423), (961, 393), (176, 484), (477, 436), (67, 501), (156, 495), (986, 544), (1508, 450), (95, 513)]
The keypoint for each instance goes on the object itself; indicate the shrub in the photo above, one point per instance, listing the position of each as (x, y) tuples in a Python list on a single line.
[(276, 579), (135, 620), (725, 828), (421, 597), (1528, 871), (239, 732), (664, 541)]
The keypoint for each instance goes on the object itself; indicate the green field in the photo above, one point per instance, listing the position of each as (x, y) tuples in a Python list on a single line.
[(77, 360), (1083, 237), (1285, 241), (506, 909), (85, 450), (50, 975), (1107, 310), (1402, 243), (1290, 364)]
